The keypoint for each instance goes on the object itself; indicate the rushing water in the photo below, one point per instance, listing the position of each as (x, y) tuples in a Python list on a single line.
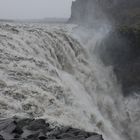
[(46, 73)]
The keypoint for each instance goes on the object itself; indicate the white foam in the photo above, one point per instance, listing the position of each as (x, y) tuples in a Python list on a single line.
[(46, 73)]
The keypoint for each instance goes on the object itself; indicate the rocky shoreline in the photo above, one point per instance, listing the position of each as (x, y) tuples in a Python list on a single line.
[(39, 129)]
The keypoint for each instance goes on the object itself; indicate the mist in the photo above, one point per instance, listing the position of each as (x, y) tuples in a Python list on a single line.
[(71, 65)]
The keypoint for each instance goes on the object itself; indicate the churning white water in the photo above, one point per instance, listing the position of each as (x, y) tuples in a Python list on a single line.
[(46, 73)]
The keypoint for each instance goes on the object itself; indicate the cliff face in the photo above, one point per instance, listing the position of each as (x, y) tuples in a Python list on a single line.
[(116, 11), (121, 48)]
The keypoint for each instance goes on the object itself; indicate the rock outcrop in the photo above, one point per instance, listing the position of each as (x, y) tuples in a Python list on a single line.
[(39, 129), (116, 11), (121, 49)]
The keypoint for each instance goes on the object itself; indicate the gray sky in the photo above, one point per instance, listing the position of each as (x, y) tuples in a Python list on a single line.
[(25, 9)]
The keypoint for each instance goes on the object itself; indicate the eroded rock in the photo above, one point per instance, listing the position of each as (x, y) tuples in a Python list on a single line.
[(39, 129)]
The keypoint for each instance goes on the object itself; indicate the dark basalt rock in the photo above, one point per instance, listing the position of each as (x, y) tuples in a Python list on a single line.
[(37, 124), (121, 49), (118, 12), (39, 129)]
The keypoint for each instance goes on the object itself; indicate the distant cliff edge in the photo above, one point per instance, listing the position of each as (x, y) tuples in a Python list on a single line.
[(117, 11)]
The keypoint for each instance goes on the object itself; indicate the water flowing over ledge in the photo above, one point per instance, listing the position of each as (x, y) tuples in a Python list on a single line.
[(46, 73)]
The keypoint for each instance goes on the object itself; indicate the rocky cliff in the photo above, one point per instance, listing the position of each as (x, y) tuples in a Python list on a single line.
[(121, 48), (39, 129), (116, 11)]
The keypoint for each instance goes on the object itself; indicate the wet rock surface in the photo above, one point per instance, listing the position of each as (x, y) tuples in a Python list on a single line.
[(39, 129), (121, 47), (119, 12), (121, 50)]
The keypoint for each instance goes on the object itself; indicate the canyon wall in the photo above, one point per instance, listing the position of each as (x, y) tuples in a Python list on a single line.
[(121, 47), (117, 11)]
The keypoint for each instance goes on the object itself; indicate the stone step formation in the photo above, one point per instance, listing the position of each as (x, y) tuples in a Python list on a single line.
[(39, 129)]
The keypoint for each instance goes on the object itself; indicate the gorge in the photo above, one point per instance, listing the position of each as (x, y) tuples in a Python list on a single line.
[(74, 81), (121, 47)]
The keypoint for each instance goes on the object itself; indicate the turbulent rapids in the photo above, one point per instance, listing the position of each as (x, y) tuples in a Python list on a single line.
[(46, 73)]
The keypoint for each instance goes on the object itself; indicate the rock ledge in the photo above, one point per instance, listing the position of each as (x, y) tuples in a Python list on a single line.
[(39, 129)]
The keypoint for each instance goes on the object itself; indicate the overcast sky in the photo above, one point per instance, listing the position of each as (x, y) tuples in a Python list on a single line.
[(26, 9)]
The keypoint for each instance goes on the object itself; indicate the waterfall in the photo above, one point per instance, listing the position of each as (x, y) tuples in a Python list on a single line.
[(48, 72)]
